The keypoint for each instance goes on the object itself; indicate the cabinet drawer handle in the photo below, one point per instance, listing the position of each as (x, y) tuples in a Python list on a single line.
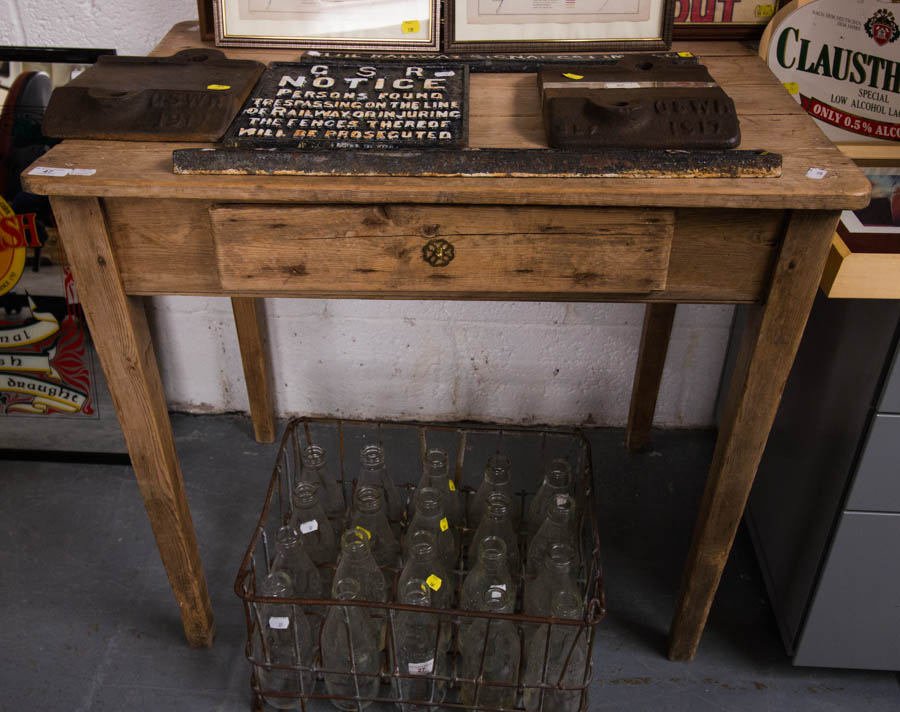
[(438, 253)]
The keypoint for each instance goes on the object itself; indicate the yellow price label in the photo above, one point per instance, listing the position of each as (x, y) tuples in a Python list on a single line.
[(569, 75), (218, 87), (444, 525), (410, 27), (792, 87), (765, 10), (365, 531), (452, 486), (685, 54), (434, 582)]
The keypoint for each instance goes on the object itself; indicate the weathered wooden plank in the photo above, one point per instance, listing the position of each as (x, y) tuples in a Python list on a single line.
[(144, 170), (766, 353), (118, 326), (439, 249)]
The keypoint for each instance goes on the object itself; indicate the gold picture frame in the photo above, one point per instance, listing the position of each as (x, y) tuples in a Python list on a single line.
[(375, 25), (501, 26)]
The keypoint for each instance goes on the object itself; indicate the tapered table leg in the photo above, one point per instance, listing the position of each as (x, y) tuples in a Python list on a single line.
[(118, 327), (248, 320), (768, 346), (658, 318)]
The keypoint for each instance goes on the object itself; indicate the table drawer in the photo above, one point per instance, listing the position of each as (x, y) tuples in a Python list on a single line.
[(425, 249)]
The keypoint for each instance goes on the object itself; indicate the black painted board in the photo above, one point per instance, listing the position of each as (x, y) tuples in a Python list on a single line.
[(484, 162), (490, 63), (358, 105)]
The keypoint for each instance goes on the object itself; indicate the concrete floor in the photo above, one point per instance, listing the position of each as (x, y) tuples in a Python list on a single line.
[(88, 621)]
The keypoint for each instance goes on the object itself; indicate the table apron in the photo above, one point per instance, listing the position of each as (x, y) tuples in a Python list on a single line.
[(443, 252)]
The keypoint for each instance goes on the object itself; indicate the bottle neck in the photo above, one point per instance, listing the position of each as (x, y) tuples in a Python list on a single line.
[(416, 593), (492, 554), (560, 560), (287, 539), (422, 546), (368, 500), (559, 474), (312, 458), (437, 465), (305, 495), (428, 503), (565, 604), (561, 510), (496, 474), (355, 544), (498, 506), (346, 589)]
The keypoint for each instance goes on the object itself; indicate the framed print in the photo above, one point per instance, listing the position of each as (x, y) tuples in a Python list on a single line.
[(557, 25), (380, 25), (715, 20)]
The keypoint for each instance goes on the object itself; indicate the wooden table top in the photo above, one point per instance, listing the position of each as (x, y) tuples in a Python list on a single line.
[(504, 113)]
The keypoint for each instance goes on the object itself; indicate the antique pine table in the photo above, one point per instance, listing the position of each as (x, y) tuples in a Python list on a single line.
[(134, 229)]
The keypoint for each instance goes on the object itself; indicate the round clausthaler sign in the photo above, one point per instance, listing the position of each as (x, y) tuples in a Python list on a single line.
[(12, 251), (841, 60)]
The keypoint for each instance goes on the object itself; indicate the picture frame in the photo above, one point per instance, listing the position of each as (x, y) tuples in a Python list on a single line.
[(503, 26), (710, 20), (368, 25)]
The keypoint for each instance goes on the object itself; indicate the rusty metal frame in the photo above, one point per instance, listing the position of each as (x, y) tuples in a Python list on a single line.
[(277, 509)]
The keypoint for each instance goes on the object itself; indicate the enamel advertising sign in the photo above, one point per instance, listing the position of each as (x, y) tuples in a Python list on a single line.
[(841, 60)]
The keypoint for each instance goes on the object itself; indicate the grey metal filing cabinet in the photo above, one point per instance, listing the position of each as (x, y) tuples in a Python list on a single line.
[(824, 513)]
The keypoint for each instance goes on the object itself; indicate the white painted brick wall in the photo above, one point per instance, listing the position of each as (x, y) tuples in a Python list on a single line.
[(543, 362)]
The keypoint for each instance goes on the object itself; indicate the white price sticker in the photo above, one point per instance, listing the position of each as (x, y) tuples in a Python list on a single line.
[(279, 622), (310, 526), (816, 173), (419, 668)]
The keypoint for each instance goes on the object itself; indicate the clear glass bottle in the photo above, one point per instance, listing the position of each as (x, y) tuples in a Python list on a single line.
[(557, 480), (420, 649), (560, 527), (314, 468), (422, 562), (436, 474), (558, 574), (351, 660), (291, 557), (373, 471), (430, 517), (497, 521), (491, 572), (358, 564), (490, 651), (497, 478), (368, 514), (286, 640), (308, 518), (560, 663)]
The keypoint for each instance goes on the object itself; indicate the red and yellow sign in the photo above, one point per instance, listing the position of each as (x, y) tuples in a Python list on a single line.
[(17, 234)]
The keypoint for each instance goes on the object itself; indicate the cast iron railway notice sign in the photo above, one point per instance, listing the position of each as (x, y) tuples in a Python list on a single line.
[(660, 101), (355, 105)]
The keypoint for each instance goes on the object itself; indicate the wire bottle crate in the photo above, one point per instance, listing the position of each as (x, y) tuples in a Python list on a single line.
[(405, 445)]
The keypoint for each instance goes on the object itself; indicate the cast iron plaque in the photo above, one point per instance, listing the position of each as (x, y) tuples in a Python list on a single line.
[(190, 96), (639, 101), (355, 105)]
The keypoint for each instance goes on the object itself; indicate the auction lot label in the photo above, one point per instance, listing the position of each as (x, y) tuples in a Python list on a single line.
[(841, 61)]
